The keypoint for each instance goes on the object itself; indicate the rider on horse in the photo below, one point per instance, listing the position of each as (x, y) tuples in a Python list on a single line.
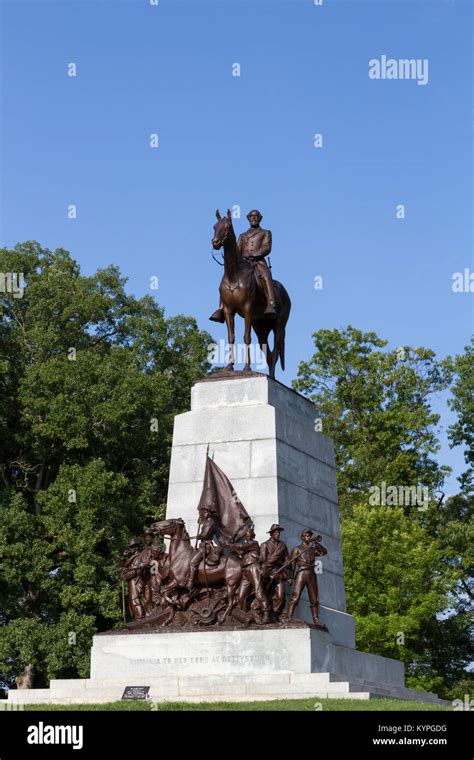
[(208, 551), (254, 245)]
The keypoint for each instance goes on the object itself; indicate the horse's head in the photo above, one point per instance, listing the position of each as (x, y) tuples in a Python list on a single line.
[(222, 229), (167, 527)]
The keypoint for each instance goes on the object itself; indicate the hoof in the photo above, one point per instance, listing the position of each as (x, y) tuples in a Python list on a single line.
[(230, 368)]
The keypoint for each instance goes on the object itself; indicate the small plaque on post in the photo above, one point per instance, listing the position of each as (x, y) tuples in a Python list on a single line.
[(136, 692)]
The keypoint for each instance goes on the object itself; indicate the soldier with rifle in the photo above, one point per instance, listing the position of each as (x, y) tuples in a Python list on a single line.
[(302, 560), (273, 554)]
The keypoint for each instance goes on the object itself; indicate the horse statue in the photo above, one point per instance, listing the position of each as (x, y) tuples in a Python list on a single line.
[(228, 571), (242, 294)]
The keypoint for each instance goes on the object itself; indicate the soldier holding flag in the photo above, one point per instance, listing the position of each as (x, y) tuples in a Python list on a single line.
[(208, 550)]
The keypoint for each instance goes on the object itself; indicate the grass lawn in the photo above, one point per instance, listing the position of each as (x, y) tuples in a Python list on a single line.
[(277, 704)]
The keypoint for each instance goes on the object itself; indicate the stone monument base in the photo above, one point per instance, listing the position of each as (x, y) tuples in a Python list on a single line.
[(232, 665), (263, 435)]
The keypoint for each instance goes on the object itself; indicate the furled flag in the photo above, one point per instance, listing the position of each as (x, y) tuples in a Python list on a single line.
[(219, 496)]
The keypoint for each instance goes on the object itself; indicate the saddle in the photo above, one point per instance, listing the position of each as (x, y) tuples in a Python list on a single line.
[(212, 559), (213, 562)]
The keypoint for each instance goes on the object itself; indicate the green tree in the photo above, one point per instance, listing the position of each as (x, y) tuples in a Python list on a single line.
[(461, 432), (91, 381), (376, 405), (456, 528), (394, 586)]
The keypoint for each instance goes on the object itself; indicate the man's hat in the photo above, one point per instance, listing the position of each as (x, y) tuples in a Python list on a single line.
[(306, 530), (133, 542), (275, 527), (255, 211), (148, 530)]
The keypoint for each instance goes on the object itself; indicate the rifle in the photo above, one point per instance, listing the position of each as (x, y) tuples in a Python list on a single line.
[(316, 539)]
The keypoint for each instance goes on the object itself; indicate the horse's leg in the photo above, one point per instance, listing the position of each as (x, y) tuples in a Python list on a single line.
[(247, 338), (262, 330), (230, 321), (263, 327)]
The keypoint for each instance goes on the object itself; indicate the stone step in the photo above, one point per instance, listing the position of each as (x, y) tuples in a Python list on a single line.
[(283, 685), (281, 680), (398, 691)]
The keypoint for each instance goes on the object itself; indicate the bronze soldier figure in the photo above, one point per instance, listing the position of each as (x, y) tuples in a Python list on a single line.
[(131, 572), (249, 552), (303, 557), (254, 245), (151, 578), (273, 554), (208, 551)]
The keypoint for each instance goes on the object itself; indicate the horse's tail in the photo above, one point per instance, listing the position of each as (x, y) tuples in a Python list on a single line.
[(280, 346), (281, 328)]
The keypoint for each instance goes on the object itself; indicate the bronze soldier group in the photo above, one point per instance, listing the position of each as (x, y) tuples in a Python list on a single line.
[(256, 591)]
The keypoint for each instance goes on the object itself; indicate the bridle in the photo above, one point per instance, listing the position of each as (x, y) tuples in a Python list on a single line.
[(221, 264)]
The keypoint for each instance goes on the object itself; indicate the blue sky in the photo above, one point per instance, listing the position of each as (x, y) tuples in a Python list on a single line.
[(248, 140)]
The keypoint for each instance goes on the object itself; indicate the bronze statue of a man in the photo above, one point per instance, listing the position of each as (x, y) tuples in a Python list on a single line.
[(249, 551), (254, 245), (273, 554), (303, 557), (151, 578), (208, 551), (131, 572)]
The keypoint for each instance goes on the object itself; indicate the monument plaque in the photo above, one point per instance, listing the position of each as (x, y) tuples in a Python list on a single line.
[(136, 692)]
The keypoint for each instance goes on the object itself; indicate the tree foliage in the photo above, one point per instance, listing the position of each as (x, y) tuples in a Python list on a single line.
[(91, 379), (407, 570), (461, 432)]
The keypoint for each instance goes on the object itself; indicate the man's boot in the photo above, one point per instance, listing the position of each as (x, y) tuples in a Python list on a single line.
[(315, 615), (137, 608), (218, 315), (191, 578), (266, 615), (291, 611), (270, 309)]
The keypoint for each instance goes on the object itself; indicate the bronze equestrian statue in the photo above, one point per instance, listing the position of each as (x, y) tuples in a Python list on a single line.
[(247, 289)]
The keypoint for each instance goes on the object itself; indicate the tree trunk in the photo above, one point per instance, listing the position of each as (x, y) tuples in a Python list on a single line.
[(25, 680)]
